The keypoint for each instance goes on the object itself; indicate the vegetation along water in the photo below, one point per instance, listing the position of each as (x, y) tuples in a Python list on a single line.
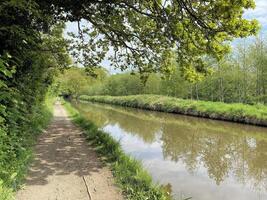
[(256, 114)]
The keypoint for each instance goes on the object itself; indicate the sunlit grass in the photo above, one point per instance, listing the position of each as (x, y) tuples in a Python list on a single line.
[(237, 112), (6, 193)]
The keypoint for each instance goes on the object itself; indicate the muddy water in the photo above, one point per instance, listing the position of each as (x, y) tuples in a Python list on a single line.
[(192, 157)]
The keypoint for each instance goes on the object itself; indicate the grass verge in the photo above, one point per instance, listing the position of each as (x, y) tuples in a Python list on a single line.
[(237, 112), (134, 181), (16, 149)]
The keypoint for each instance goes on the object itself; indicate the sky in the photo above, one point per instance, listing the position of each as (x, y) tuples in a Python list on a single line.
[(259, 13)]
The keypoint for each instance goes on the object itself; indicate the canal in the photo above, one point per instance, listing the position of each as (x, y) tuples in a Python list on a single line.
[(191, 157)]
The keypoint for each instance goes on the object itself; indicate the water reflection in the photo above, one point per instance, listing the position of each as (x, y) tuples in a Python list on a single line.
[(202, 158)]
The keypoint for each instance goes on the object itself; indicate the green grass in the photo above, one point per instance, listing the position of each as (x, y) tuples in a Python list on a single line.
[(236, 112), (134, 181), (16, 153)]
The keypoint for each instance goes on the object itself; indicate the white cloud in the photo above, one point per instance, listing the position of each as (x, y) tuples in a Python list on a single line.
[(259, 13)]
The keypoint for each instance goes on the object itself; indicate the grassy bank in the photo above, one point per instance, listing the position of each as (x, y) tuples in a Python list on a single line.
[(134, 181), (16, 149), (249, 114)]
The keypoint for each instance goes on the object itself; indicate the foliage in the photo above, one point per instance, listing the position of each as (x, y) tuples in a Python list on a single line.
[(256, 114), (241, 77), (119, 84), (131, 84), (16, 149), (132, 178), (238, 77), (75, 81), (143, 34), (31, 48)]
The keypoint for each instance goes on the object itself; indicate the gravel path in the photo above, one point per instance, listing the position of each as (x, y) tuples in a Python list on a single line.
[(66, 167)]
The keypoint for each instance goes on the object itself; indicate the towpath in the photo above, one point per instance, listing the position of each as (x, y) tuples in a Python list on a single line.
[(66, 167)]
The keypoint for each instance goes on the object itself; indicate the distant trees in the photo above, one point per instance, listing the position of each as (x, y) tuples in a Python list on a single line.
[(239, 77), (259, 52), (73, 82), (119, 84), (76, 81)]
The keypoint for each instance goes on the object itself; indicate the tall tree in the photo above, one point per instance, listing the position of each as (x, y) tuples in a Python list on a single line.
[(141, 32)]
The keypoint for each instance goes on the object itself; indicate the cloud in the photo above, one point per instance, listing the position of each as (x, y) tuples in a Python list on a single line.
[(259, 13)]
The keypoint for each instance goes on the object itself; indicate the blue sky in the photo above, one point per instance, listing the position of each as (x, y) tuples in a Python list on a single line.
[(259, 13)]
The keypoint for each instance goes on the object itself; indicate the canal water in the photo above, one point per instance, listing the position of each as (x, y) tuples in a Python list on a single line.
[(191, 157)]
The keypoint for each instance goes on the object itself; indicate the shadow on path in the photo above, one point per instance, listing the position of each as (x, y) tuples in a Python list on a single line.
[(65, 167)]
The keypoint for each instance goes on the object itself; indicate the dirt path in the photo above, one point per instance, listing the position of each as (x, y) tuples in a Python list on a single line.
[(66, 168)]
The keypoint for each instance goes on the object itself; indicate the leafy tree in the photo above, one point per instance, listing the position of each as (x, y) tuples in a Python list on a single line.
[(259, 53), (141, 33), (27, 62), (153, 84), (74, 82)]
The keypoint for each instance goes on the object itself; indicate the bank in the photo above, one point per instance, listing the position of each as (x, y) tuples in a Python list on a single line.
[(235, 112), (16, 149), (129, 174)]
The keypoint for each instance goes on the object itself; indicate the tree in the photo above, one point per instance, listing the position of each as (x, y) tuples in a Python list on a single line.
[(31, 48), (141, 32), (259, 53), (75, 82)]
